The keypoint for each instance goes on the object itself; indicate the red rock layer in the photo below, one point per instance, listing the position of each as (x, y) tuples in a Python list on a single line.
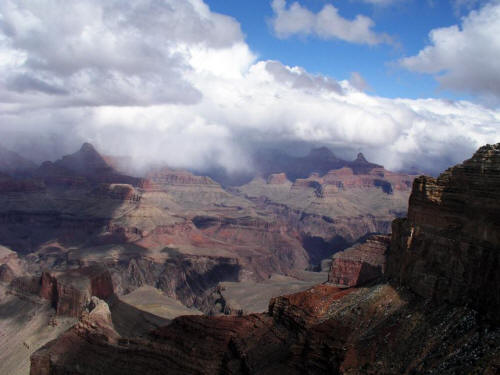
[(361, 263)]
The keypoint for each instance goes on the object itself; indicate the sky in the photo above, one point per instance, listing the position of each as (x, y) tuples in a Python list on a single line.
[(194, 84)]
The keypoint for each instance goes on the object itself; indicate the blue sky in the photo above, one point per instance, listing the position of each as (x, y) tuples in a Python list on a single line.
[(407, 21)]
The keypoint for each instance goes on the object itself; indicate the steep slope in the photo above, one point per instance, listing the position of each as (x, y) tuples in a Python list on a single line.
[(448, 248)]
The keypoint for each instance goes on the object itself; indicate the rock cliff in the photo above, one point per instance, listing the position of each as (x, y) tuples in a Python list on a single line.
[(448, 249), (69, 292), (361, 263)]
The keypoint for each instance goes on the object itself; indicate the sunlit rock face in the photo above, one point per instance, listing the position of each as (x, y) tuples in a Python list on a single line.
[(361, 263)]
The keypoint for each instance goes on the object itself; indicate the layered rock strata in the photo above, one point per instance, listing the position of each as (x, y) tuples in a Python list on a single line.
[(69, 292), (448, 249), (361, 263), (442, 318), (325, 330)]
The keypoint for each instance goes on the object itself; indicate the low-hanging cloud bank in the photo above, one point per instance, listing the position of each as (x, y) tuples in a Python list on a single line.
[(173, 82)]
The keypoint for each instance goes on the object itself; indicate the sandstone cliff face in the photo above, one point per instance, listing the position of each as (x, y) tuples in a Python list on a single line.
[(69, 292), (361, 263), (448, 248), (74, 288)]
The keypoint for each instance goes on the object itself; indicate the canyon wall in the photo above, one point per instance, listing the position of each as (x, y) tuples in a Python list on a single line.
[(448, 249)]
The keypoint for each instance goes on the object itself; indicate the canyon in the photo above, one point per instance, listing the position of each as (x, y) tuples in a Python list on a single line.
[(183, 233), (400, 322), (300, 258)]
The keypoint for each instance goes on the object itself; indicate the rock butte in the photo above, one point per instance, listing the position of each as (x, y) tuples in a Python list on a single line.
[(361, 263)]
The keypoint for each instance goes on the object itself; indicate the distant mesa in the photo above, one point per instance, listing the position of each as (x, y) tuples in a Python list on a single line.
[(319, 160)]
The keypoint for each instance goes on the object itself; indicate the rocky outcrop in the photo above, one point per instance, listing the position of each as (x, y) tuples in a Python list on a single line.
[(69, 292), (324, 330), (72, 290), (448, 249), (361, 263)]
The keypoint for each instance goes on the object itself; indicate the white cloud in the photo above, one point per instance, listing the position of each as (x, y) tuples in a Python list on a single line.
[(108, 53), (192, 94), (465, 57), (326, 24)]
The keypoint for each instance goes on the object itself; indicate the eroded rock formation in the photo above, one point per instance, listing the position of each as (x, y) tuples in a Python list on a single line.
[(361, 263), (448, 249), (69, 292)]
